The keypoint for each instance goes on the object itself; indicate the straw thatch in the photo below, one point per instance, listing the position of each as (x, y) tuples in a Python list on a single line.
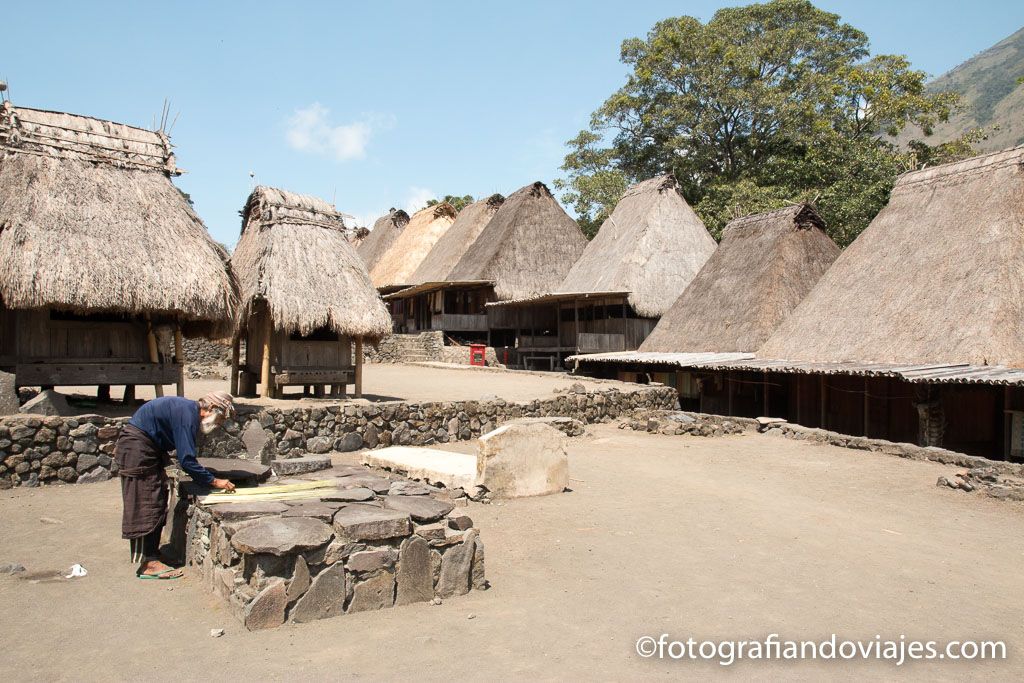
[(90, 222), (470, 222), (935, 278), (765, 265), (651, 246), (527, 248), (293, 254), (356, 237), (409, 248), (385, 231)]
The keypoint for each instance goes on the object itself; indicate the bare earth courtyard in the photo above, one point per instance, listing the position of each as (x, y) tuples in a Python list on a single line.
[(727, 538)]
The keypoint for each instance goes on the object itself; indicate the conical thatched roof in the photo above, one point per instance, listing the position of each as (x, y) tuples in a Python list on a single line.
[(409, 249), (293, 253), (385, 231), (765, 265), (651, 246), (527, 248), (935, 278), (90, 222), (470, 222)]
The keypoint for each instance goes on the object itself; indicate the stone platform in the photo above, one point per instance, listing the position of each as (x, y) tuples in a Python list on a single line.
[(363, 540)]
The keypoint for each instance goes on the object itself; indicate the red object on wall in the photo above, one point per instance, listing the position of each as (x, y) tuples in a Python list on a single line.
[(478, 354)]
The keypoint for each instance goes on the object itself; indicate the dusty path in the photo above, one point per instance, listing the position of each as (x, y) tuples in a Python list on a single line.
[(716, 538), (387, 382)]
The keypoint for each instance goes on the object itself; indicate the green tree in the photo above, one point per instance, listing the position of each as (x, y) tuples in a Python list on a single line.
[(458, 202), (761, 106)]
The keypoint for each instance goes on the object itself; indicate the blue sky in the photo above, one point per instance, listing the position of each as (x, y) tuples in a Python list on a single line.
[(383, 104)]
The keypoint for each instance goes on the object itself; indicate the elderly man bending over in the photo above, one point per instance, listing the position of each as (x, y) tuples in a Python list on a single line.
[(162, 425)]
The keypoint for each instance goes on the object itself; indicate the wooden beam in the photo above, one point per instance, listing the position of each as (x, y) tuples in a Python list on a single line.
[(798, 380), (154, 355), (179, 358), (867, 409), (236, 352), (824, 412), (729, 389), (268, 332), (764, 386), (359, 368), (129, 394)]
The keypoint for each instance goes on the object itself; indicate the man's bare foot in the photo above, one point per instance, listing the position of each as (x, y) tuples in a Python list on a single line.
[(156, 567)]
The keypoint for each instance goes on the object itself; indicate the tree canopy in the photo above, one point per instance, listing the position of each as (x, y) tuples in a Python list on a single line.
[(761, 106)]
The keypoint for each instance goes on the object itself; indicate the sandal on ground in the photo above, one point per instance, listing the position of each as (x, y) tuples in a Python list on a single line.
[(162, 576)]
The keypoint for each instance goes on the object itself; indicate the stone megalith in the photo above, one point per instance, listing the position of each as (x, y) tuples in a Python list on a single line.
[(522, 459)]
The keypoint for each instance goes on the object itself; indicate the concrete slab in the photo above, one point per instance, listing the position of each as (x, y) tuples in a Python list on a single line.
[(451, 470)]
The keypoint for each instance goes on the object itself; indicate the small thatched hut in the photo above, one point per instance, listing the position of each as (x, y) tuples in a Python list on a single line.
[(104, 261), (429, 304), (765, 265), (917, 332), (385, 231), (643, 257), (394, 269), (307, 300)]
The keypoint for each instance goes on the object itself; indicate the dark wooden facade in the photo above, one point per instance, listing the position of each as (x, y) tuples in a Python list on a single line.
[(977, 419), (322, 362), (544, 332), (456, 310), (50, 348)]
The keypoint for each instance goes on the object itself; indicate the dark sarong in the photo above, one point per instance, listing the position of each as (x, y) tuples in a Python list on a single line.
[(143, 482)]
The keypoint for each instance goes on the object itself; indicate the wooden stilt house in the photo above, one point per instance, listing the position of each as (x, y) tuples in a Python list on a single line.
[(104, 263), (307, 301)]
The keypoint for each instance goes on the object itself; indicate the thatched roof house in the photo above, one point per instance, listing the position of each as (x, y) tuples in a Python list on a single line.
[(90, 222), (526, 249), (468, 225), (293, 254), (304, 290), (385, 231), (935, 278), (412, 245), (765, 265), (651, 246)]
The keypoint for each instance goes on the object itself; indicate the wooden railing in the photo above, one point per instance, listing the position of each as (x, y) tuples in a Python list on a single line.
[(590, 342), (459, 322)]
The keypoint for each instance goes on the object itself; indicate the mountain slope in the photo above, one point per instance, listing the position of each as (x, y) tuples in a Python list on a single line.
[(992, 97)]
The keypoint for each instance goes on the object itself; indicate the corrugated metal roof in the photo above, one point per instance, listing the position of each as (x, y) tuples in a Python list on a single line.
[(939, 373), (683, 360), (427, 287), (557, 296)]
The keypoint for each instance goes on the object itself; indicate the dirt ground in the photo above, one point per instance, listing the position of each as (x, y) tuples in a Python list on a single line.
[(734, 537), (393, 382)]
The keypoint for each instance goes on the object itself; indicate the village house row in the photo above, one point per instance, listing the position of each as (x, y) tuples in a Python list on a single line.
[(914, 333)]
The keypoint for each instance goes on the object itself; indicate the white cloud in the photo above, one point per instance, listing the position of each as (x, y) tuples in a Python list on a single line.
[(310, 130), (417, 199)]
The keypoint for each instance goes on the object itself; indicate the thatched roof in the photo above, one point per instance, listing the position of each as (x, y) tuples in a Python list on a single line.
[(651, 246), (294, 255), (470, 222), (765, 265), (527, 248), (385, 231), (412, 245), (935, 278), (90, 222)]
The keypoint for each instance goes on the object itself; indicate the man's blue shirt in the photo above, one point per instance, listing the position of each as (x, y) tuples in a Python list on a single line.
[(172, 423)]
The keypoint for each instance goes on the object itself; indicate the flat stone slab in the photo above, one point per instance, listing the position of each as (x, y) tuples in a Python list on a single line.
[(230, 512), (361, 522), (281, 536), (303, 465), (354, 495), (420, 508), (523, 459), (316, 509), (451, 470), (369, 481), (237, 470), (409, 488)]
